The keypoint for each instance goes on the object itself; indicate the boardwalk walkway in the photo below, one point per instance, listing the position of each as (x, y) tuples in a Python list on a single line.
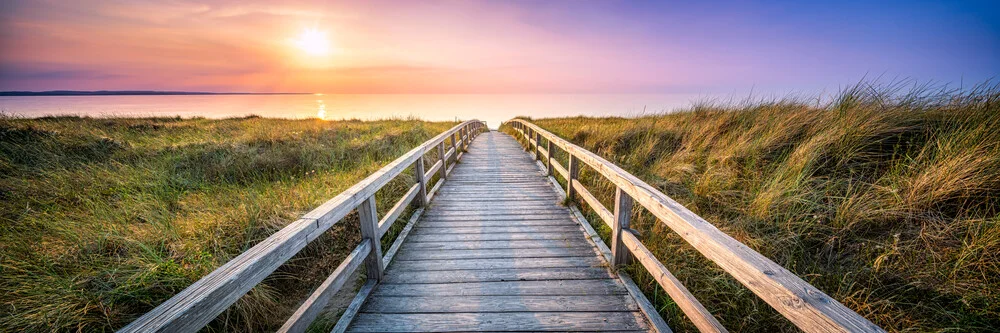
[(495, 251)]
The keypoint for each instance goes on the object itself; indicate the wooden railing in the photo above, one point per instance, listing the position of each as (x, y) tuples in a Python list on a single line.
[(804, 305), (200, 303)]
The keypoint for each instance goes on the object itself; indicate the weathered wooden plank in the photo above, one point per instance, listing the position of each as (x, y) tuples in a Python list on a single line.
[(512, 321), (355, 306), (645, 306), (495, 217), (504, 263), (489, 275), (505, 288), (368, 219), (552, 252), (487, 224), (623, 214), (807, 307), (398, 243), (571, 178), (312, 306), (547, 211), (690, 305), (421, 183), (488, 237), (433, 169), (499, 205), (483, 304), (496, 244), (494, 230), (395, 211), (198, 304), (595, 205)]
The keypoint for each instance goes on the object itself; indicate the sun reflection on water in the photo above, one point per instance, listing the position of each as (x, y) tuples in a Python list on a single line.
[(321, 109)]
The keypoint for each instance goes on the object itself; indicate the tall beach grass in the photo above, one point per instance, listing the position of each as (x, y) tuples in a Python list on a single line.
[(103, 219), (887, 198)]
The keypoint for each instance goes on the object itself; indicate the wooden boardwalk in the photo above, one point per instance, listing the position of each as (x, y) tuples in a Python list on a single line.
[(490, 247), (496, 251)]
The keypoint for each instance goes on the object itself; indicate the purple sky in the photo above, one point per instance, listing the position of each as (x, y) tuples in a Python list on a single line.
[(493, 47)]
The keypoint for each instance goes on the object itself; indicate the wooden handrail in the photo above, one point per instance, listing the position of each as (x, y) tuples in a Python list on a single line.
[(805, 306), (202, 301)]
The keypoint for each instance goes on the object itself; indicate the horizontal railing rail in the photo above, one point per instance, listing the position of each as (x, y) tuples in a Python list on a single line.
[(805, 306), (200, 303)]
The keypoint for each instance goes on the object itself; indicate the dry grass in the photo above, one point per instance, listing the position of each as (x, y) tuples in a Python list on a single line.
[(103, 219), (887, 199)]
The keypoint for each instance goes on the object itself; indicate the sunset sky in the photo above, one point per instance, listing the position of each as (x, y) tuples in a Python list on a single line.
[(491, 47)]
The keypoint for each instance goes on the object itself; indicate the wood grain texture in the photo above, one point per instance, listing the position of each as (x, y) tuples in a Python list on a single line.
[(807, 307), (498, 322), (309, 309), (493, 247), (690, 305), (352, 310), (198, 304), (459, 304)]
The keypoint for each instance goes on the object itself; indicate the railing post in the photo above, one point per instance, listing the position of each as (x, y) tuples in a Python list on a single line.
[(418, 174), (548, 159), (369, 232), (454, 142), (574, 172), (444, 162), (623, 213), (527, 138), (466, 138), (538, 146)]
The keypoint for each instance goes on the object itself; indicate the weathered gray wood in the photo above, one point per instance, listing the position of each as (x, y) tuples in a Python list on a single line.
[(398, 243), (548, 158), (497, 244), (502, 263), (538, 146), (421, 182), (493, 322), (433, 169), (434, 189), (488, 275), (652, 313), (444, 160), (458, 304), (807, 307), (488, 237), (606, 216), (495, 230), (198, 304), (519, 243), (571, 179), (493, 217), (691, 307), (657, 324), (368, 218), (505, 288), (553, 252), (623, 214), (395, 211), (309, 309), (487, 224), (355, 306), (562, 172)]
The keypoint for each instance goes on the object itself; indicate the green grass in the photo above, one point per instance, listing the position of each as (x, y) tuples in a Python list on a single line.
[(887, 199), (103, 219)]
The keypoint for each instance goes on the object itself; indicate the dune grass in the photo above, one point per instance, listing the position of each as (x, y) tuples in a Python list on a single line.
[(103, 219), (887, 199)]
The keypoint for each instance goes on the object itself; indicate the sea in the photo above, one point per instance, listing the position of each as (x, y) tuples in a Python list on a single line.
[(492, 108)]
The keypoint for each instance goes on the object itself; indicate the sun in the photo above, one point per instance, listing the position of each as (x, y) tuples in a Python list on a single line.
[(313, 42)]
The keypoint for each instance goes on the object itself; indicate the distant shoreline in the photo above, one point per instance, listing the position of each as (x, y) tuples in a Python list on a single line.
[(127, 93)]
